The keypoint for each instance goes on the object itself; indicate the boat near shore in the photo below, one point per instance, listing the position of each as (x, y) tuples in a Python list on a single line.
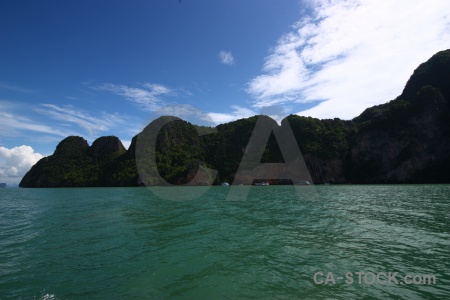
[(305, 182)]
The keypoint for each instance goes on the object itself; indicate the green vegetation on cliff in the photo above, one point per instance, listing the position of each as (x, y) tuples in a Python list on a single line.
[(404, 140), (74, 163)]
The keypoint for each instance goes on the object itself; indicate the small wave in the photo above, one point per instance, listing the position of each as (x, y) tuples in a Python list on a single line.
[(49, 297)]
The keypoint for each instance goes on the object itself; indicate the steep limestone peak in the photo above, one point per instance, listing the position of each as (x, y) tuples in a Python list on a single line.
[(71, 145), (106, 145), (434, 72)]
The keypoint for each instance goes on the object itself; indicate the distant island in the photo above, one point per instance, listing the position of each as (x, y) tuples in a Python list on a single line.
[(406, 140), (3, 185)]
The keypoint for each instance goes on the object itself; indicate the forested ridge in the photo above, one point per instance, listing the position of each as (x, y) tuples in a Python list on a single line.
[(406, 140)]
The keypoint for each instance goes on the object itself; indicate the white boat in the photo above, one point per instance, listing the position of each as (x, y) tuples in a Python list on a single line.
[(305, 182), (225, 184), (261, 183)]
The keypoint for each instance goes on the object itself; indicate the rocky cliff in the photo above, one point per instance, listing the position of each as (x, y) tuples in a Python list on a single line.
[(406, 140)]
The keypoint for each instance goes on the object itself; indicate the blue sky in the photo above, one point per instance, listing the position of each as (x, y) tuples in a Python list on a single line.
[(95, 68)]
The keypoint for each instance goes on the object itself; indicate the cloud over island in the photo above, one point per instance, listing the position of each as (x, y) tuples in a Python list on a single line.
[(349, 55), (15, 162)]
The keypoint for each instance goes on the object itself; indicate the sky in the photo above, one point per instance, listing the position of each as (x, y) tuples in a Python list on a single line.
[(93, 68)]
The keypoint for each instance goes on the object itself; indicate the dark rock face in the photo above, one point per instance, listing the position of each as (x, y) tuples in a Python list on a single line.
[(435, 72), (325, 170), (406, 140)]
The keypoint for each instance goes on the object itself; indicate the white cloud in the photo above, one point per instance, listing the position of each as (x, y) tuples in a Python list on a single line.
[(186, 112), (16, 125), (70, 114), (226, 57), (197, 116), (15, 162), (157, 89), (152, 98), (351, 54), (148, 96), (12, 124), (238, 113)]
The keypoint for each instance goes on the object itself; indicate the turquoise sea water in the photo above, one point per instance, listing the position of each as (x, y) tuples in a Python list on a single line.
[(126, 243)]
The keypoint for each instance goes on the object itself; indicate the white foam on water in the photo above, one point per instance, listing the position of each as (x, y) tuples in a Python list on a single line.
[(48, 297)]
